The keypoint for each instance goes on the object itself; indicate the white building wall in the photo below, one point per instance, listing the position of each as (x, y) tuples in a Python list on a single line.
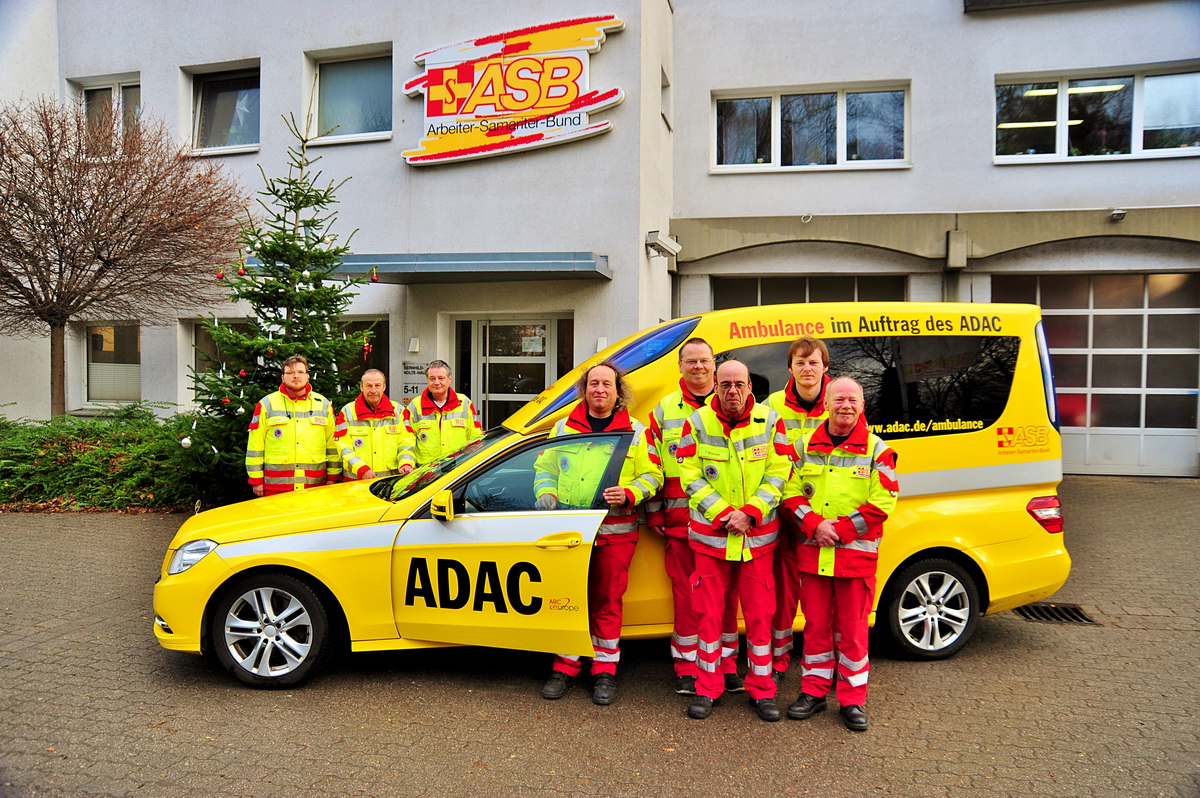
[(952, 60)]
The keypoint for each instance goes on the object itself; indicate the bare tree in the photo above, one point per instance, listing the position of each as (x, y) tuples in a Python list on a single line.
[(105, 216)]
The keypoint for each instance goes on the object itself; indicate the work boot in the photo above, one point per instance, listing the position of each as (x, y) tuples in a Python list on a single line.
[(806, 706), (855, 717), (685, 685), (557, 685), (700, 708), (604, 689), (766, 709), (734, 683)]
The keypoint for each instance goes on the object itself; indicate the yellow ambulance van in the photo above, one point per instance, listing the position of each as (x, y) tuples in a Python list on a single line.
[(457, 553)]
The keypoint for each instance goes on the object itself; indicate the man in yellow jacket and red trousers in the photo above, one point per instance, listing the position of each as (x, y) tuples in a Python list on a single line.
[(733, 462), (842, 489), (568, 476), (290, 445), (370, 432)]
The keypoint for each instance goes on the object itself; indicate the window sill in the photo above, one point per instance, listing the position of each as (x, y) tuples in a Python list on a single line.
[(763, 168), (1153, 155), (206, 152), (351, 138)]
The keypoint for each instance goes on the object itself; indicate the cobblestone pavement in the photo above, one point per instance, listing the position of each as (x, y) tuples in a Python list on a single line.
[(91, 706)]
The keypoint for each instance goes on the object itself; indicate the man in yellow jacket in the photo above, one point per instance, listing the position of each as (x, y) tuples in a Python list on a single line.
[(291, 445), (842, 489), (370, 432), (439, 420)]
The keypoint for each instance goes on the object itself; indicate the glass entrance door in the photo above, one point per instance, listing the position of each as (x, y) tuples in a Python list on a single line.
[(512, 360)]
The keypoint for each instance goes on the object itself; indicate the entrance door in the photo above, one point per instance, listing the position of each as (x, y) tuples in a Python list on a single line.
[(512, 360)]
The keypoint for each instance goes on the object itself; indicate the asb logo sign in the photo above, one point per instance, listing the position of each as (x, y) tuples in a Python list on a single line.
[(511, 91)]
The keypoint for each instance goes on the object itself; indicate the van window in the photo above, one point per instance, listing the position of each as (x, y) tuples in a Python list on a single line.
[(914, 386)]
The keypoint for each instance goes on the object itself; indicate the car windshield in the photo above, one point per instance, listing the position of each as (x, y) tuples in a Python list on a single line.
[(398, 487)]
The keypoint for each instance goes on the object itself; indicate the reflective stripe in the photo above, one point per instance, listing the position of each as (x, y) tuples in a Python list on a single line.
[(617, 529), (600, 642), (706, 665), (822, 673), (254, 453), (850, 461), (686, 656), (760, 670), (758, 650), (709, 648), (607, 656), (814, 658), (871, 545), (707, 503), (719, 541), (568, 658), (850, 664), (685, 640), (857, 680), (860, 523)]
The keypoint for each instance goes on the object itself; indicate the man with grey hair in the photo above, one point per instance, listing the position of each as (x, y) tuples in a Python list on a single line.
[(370, 433), (439, 420)]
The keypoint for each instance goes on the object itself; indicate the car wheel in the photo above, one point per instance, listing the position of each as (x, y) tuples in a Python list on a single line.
[(932, 609), (270, 630)]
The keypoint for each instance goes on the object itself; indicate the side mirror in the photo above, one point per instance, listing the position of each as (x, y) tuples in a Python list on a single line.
[(442, 506)]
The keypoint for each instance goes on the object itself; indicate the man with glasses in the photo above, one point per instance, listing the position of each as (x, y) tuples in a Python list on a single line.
[(667, 514), (733, 462), (291, 444)]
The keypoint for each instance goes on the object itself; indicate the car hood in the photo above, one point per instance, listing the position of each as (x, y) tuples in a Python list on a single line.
[(331, 506)]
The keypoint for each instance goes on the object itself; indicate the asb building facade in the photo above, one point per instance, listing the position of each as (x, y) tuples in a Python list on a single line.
[(533, 180)]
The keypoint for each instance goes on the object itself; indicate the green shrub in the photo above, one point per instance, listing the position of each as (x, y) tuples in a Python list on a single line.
[(126, 458)]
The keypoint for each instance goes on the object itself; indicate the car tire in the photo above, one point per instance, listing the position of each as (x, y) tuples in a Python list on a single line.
[(932, 608), (270, 630)]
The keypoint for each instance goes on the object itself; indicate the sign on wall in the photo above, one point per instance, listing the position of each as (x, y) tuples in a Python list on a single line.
[(511, 91)]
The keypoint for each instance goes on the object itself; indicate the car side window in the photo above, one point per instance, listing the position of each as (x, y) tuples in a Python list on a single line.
[(574, 469)]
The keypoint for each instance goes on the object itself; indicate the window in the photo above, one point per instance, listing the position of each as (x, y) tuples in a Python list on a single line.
[(354, 97), (1111, 115), (101, 103), (740, 292), (1125, 347), (114, 357), (907, 378), (227, 113), (805, 130)]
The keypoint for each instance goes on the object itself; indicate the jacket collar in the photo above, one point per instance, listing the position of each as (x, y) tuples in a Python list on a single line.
[(578, 420), (791, 397), (690, 399), (363, 410), (729, 424), (857, 442), (428, 406), (295, 397)]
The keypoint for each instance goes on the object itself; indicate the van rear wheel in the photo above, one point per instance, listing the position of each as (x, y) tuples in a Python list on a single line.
[(932, 610)]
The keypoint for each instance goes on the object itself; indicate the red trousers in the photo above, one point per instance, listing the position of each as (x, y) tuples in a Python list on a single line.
[(835, 635), (787, 593), (608, 577), (680, 561), (754, 582)]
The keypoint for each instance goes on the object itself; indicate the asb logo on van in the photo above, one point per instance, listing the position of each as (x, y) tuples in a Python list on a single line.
[(511, 91)]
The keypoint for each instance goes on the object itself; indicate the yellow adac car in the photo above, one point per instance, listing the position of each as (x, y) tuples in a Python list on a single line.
[(456, 553)]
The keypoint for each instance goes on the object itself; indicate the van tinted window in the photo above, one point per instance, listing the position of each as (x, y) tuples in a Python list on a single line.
[(914, 386)]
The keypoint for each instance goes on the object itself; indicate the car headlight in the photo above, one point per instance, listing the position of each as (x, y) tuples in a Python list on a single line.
[(189, 554)]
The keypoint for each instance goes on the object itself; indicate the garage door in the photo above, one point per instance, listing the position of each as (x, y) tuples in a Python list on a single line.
[(1126, 354)]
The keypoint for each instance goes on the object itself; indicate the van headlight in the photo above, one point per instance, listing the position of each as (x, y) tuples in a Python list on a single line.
[(189, 554)]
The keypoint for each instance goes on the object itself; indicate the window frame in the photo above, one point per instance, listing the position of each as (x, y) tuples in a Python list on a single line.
[(88, 329), (349, 138), (199, 81), (1137, 150), (842, 163)]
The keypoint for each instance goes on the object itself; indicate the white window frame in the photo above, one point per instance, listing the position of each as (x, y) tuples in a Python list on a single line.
[(1062, 142), (316, 61), (842, 164), (223, 73)]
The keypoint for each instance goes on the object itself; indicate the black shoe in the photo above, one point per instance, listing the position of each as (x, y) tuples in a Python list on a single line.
[(766, 709), (806, 706), (855, 717), (604, 689), (777, 676), (685, 685), (700, 708), (557, 685), (734, 683)]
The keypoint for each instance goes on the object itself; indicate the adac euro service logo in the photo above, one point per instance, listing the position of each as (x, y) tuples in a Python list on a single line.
[(511, 91)]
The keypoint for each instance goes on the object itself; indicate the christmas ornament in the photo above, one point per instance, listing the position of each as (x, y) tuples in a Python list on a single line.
[(270, 351), (186, 443), (225, 400), (305, 274), (220, 275), (374, 276), (241, 272), (242, 373)]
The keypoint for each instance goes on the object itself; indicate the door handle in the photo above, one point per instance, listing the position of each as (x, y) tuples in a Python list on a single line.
[(559, 540)]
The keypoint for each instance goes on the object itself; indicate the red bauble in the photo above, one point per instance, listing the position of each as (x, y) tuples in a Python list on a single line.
[(242, 373), (220, 275), (374, 279), (241, 272), (225, 400), (270, 351)]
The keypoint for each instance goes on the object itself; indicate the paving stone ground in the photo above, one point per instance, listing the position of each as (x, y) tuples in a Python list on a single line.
[(91, 706)]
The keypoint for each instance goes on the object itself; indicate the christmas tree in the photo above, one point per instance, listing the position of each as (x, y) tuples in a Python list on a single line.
[(297, 304)]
